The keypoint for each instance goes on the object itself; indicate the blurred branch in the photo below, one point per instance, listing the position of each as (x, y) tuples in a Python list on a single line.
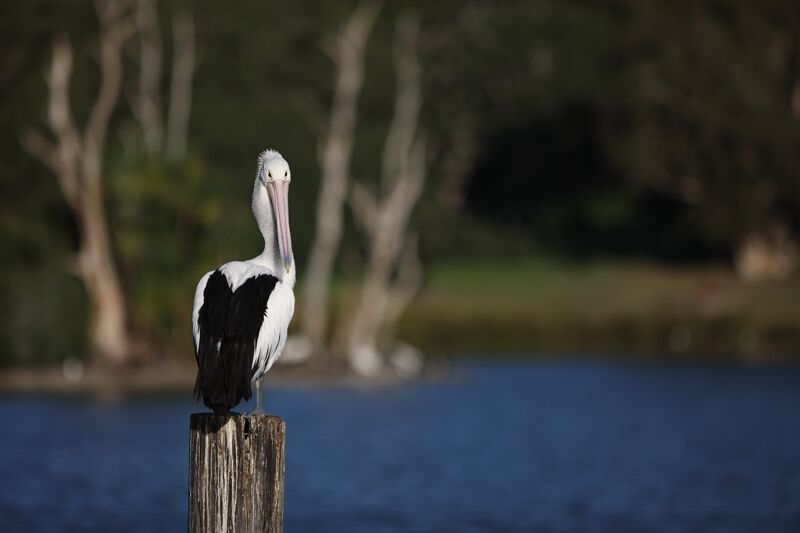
[(63, 156), (172, 140), (40, 147), (180, 101), (364, 206), (116, 26), (148, 108), (53, 157), (407, 100), (58, 109)]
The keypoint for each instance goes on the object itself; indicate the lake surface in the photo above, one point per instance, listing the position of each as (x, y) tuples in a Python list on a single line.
[(500, 446)]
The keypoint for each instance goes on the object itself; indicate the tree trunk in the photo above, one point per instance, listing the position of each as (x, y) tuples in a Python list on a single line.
[(108, 319), (180, 89), (172, 140), (385, 216), (149, 102), (334, 154), (77, 162)]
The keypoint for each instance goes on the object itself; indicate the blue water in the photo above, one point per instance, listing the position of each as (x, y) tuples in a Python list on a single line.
[(509, 446)]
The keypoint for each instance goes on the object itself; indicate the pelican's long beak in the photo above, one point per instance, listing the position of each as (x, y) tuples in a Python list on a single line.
[(279, 194)]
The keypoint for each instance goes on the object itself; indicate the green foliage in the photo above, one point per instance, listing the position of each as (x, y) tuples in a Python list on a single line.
[(161, 216)]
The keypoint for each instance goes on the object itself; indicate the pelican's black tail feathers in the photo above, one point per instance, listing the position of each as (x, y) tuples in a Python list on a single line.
[(229, 325)]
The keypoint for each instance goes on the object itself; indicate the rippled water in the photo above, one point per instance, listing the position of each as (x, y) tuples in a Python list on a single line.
[(508, 446)]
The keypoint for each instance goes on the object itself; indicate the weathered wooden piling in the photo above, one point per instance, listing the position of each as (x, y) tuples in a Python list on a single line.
[(236, 472)]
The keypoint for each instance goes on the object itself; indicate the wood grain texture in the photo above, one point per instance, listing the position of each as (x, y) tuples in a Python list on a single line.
[(236, 473)]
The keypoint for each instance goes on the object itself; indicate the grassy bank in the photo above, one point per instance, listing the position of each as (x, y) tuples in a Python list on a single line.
[(532, 306), (536, 304)]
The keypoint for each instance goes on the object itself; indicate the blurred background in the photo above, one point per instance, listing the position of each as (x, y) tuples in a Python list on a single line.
[(573, 223)]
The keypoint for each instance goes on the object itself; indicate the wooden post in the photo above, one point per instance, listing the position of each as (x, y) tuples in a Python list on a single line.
[(236, 471)]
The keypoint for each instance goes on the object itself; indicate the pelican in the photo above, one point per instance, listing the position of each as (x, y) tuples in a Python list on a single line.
[(242, 309)]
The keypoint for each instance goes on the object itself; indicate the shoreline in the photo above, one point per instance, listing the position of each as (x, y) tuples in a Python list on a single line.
[(172, 378)]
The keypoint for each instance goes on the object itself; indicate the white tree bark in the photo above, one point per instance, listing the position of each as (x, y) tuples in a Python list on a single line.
[(77, 161), (392, 277), (334, 154), (181, 82), (148, 109)]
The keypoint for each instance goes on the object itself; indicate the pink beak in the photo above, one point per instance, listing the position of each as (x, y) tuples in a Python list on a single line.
[(279, 194)]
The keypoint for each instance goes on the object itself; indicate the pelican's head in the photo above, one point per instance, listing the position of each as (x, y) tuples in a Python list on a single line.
[(274, 176)]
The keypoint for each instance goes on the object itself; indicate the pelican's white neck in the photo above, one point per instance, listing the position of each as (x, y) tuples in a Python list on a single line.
[(271, 256)]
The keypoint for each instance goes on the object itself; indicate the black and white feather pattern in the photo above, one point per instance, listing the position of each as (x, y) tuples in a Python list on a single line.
[(241, 312)]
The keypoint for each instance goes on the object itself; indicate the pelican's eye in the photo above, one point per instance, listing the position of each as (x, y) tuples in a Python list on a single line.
[(270, 175), (286, 173)]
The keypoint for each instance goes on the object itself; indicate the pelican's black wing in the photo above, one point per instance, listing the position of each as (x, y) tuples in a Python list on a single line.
[(229, 324)]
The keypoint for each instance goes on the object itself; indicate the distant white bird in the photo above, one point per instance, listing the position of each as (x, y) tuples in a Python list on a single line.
[(242, 310)]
